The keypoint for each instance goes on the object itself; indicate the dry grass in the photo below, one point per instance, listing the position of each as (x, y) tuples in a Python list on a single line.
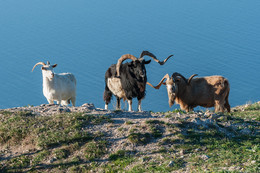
[(78, 142)]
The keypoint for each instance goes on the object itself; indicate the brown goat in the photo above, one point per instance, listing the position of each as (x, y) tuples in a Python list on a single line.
[(204, 91)]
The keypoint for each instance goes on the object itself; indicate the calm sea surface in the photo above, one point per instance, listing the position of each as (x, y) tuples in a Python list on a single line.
[(85, 37)]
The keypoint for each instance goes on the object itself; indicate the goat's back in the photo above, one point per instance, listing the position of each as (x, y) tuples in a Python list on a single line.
[(207, 89), (66, 82), (130, 84), (66, 77)]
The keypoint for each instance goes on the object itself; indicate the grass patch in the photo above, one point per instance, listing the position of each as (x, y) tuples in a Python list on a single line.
[(178, 111), (42, 155), (20, 162), (129, 122), (61, 153), (155, 127), (154, 122), (95, 150), (249, 114), (47, 131), (119, 155), (139, 138), (253, 107), (156, 131)]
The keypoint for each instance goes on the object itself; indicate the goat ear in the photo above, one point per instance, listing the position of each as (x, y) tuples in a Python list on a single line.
[(164, 83), (147, 62), (43, 68), (55, 65), (178, 79)]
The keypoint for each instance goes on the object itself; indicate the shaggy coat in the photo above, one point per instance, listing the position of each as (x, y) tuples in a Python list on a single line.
[(131, 84), (210, 91), (128, 80)]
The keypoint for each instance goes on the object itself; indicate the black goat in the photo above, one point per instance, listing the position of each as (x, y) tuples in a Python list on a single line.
[(128, 80)]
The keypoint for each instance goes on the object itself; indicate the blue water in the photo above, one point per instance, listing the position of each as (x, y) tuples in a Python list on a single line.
[(85, 37)]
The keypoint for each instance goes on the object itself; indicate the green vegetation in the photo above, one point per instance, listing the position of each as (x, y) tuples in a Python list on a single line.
[(77, 142), (139, 138), (156, 127), (95, 150), (120, 154), (47, 131), (129, 122)]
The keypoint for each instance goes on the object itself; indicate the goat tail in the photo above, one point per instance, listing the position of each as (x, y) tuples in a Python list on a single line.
[(227, 89)]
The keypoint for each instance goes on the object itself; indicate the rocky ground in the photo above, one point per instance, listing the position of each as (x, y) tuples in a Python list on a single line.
[(151, 138)]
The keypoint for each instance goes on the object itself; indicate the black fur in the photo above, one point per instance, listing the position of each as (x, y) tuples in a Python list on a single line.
[(133, 78)]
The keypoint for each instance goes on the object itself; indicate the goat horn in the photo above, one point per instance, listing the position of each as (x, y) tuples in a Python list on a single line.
[(39, 63), (154, 57), (174, 75), (121, 59), (189, 80), (160, 83)]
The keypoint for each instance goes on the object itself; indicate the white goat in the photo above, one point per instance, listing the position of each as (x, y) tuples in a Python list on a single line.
[(57, 87)]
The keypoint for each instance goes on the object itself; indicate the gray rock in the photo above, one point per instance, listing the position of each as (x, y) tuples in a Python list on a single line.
[(171, 164), (89, 106), (197, 150), (182, 152), (66, 109), (204, 157), (52, 160)]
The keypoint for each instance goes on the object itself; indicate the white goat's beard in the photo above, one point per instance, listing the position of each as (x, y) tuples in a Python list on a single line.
[(171, 102), (50, 78), (171, 99)]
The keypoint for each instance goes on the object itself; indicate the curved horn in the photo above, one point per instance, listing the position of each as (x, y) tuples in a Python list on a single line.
[(39, 63), (154, 57), (189, 80), (121, 59), (174, 75), (160, 83)]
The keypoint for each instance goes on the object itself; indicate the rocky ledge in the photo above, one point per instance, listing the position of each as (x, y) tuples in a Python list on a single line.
[(203, 119)]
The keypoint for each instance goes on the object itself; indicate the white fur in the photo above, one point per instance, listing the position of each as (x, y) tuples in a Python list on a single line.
[(115, 86), (58, 87)]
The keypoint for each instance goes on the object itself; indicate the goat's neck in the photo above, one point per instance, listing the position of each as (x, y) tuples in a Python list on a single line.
[(47, 84), (184, 94)]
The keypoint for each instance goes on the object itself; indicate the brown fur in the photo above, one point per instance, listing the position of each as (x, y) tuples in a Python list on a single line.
[(210, 91), (206, 92)]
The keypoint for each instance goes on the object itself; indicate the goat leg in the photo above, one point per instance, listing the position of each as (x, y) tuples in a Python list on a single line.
[(130, 109)]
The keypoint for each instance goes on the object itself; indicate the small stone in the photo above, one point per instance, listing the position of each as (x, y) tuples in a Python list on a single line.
[(63, 110), (171, 164), (197, 149), (204, 157), (52, 160), (182, 152), (143, 159), (89, 106)]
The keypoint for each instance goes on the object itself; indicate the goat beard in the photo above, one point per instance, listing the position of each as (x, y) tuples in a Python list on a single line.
[(171, 102)]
